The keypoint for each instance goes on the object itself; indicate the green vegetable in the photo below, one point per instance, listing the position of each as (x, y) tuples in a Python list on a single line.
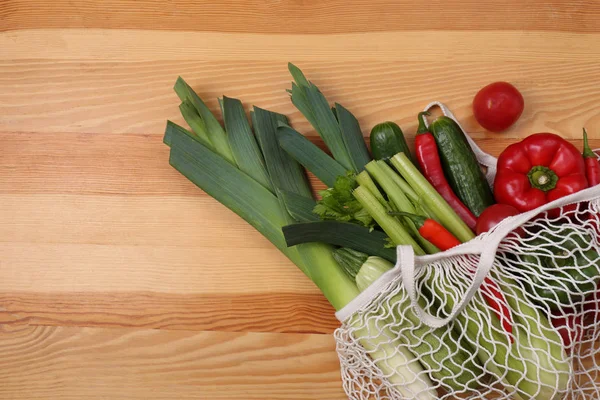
[(546, 366), (214, 130), (353, 138), (337, 126), (258, 206), (430, 197), (340, 234), (242, 142), (364, 179), (309, 155), (338, 203), (285, 173), (388, 140), (461, 166), (299, 207), (441, 351), (390, 225), (313, 105), (350, 260), (566, 268), (383, 175)]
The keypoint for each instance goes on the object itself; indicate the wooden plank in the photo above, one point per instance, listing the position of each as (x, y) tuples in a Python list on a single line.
[(260, 312), (421, 45), (88, 96), (288, 16), (77, 164), (59, 268), (93, 363)]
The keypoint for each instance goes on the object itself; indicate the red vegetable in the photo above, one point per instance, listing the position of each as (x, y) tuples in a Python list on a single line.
[(570, 328), (444, 240), (541, 168), (491, 216), (432, 231), (431, 166), (592, 165), (497, 106)]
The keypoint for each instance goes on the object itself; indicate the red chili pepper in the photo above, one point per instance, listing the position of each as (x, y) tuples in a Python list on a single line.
[(429, 161), (444, 240), (541, 168), (592, 165)]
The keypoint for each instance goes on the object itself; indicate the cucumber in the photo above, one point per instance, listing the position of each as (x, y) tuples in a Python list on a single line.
[(388, 140), (461, 166)]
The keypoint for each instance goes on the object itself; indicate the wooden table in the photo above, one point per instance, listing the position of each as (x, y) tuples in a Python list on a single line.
[(121, 280)]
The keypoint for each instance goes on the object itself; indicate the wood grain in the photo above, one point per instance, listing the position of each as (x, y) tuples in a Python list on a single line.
[(291, 16), (92, 363), (81, 96), (121, 280), (292, 312)]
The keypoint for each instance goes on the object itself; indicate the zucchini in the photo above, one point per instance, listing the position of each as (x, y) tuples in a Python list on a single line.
[(461, 166), (388, 140)]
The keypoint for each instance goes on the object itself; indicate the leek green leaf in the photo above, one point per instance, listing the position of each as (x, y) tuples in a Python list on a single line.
[(243, 144), (214, 129), (286, 173), (309, 155), (342, 234), (353, 138)]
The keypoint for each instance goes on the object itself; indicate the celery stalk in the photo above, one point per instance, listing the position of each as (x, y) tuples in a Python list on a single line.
[(399, 199), (432, 198), (364, 179), (389, 224)]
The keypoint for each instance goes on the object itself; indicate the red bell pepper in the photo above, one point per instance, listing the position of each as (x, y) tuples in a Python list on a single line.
[(541, 168), (592, 165)]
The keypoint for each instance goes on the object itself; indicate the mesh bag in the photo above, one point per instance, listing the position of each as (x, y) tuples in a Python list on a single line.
[(427, 329)]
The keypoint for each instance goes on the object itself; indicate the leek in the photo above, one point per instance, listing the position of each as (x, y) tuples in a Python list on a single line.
[(309, 155), (243, 144), (214, 129), (352, 137), (258, 206), (298, 206), (342, 234), (313, 105)]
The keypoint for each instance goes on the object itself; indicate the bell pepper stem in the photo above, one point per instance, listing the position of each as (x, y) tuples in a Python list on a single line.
[(542, 178)]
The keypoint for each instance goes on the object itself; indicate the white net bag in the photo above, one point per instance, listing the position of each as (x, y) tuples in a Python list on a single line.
[(512, 314)]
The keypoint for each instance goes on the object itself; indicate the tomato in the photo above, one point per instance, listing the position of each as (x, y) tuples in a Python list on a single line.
[(491, 216), (497, 106)]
